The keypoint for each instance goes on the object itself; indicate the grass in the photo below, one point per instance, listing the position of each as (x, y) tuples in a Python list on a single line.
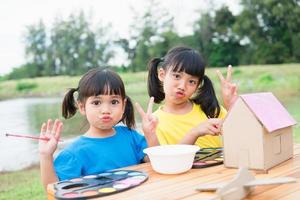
[(282, 80), (24, 184)]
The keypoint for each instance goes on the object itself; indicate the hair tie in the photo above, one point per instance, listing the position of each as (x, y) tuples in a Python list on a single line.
[(162, 59)]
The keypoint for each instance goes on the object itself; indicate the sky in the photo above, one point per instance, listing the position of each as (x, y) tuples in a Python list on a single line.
[(15, 15)]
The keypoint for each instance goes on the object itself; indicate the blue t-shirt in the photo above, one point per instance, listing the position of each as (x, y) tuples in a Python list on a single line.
[(86, 156)]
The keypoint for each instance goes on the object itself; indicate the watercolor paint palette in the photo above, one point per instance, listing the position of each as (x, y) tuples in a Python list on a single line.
[(208, 157), (99, 185)]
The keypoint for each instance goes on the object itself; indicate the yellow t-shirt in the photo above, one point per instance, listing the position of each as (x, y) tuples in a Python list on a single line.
[(173, 127)]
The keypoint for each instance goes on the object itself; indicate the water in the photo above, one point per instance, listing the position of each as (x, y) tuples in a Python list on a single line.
[(25, 116)]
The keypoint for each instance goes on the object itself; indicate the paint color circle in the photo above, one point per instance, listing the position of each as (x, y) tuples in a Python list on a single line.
[(71, 194), (120, 172), (134, 174), (121, 186), (76, 187), (76, 179), (138, 177), (210, 161), (131, 181), (90, 176), (107, 190), (199, 163), (105, 174), (89, 193)]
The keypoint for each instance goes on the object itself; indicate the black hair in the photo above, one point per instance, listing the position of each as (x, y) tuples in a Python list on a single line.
[(190, 61), (96, 82)]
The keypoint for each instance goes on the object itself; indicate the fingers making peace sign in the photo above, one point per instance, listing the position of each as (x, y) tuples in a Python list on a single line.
[(149, 122), (229, 90)]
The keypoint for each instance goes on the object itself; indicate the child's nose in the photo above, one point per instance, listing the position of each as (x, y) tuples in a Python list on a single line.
[(105, 108), (182, 84)]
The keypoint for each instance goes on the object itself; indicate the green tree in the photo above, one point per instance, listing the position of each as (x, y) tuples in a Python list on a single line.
[(203, 33), (35, 50), (215, 38), (147, 30), (70, 48), (75, 48), (272, 29), (226, 44), (167, 40), (28, 70)]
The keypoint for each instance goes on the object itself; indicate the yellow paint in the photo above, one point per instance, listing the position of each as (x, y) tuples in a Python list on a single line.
[(106, 190)]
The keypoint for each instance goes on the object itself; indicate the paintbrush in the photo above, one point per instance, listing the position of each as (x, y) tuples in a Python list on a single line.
[(29, 137)]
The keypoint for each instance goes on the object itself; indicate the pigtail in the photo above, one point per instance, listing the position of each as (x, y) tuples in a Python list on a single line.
[(68, 106), (128, 116), (155, 88), (206, 98)]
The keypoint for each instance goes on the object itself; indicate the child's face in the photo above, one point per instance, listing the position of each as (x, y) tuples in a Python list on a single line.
[(103, 111), (178, 86)]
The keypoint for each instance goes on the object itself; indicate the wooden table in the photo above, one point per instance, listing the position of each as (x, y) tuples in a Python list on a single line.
[(182, 186)]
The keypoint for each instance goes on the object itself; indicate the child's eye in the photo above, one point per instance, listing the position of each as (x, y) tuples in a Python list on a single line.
[(193, 82), (115, 102), (96, 102), (176, 76)]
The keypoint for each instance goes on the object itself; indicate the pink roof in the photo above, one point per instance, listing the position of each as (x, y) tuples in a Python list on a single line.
[(269, 111)]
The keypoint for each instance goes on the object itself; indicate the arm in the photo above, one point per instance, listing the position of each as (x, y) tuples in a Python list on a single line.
[(47, 149), (47, 171), (149, 123), (212, 126), (229, 90)]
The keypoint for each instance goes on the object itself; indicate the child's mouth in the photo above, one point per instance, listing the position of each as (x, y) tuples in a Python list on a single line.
[(179, 94), (105, 119)]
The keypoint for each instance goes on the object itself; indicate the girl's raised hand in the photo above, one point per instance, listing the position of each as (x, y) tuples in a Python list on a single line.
[(229, 90), (51, 132), (212, 126), (149, 121)]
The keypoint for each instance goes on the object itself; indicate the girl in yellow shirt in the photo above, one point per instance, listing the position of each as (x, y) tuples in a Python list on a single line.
[(190, 113)]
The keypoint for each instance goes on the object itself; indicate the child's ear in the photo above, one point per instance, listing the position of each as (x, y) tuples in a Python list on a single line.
[(124, 105), (161, 74), (81, 108)]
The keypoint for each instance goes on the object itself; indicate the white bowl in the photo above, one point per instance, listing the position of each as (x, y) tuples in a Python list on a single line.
[(171, 159)]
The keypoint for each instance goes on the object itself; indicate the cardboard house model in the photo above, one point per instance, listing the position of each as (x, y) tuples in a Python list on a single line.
[(257, 132)]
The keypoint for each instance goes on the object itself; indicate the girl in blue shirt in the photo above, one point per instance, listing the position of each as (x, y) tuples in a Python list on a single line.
[(106, 145)]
